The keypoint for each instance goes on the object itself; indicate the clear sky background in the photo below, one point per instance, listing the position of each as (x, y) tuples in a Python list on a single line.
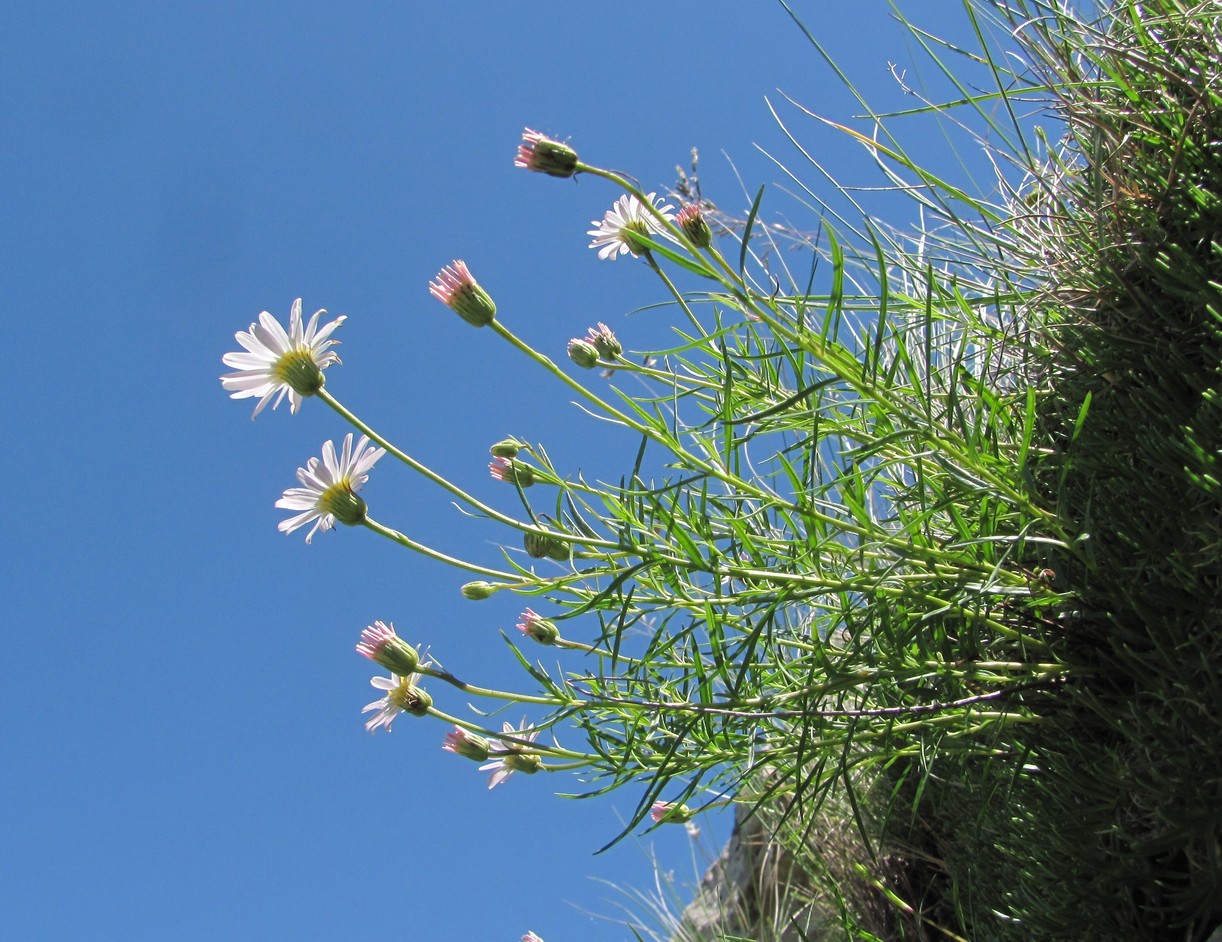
[(182, 752)]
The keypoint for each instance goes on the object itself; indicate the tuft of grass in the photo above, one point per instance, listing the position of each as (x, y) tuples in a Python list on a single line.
[(1067, 332)]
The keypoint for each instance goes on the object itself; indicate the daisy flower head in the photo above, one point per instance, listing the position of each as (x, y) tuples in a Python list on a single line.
[(510, 756), (277, 362), (380, 644), (328, 487), (457, 289), (540, 153), (627, 219), (402, 696)]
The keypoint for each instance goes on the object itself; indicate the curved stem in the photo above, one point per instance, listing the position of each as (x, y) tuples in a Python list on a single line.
[(454, 489), (411, 544)]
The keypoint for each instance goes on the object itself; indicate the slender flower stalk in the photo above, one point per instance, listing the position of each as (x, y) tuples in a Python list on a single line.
[(329, 486), (427, 472), (278, 362)]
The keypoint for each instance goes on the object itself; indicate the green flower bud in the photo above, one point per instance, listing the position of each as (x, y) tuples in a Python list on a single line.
[(506, 448), (583, 353), (465, 744), (543, 155), (540, 546), (478, 591), (537, 627), (691, 220)]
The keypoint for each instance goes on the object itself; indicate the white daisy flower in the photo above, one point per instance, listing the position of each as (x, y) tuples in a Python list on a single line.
[(402, 696), (626, 219), (511, 757), (329, 487), (279, 362)]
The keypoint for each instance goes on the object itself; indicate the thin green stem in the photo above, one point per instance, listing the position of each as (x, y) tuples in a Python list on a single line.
[(411, 544)]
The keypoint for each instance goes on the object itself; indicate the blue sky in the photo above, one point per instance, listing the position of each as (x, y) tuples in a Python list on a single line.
[(183, 750)]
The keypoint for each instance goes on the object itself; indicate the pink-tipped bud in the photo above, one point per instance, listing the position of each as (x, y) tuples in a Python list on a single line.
[(465, 744), (541, 154), (670, 812), (536, 626), (512, 471), (603, 339), (457, 289), (379, 643), (691, 220)]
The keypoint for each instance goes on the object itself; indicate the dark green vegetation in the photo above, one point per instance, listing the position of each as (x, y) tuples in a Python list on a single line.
[(1104, 819)]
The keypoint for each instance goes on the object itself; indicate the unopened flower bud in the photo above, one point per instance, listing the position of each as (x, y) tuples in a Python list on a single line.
[(380, 643), (543, 155), (465, 744), (478, 591), (540, 546), (670, 812), (506, 448), (691, 220), (457, 289), (512, 471), (603, 339), (537, 627), (583, 353)]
